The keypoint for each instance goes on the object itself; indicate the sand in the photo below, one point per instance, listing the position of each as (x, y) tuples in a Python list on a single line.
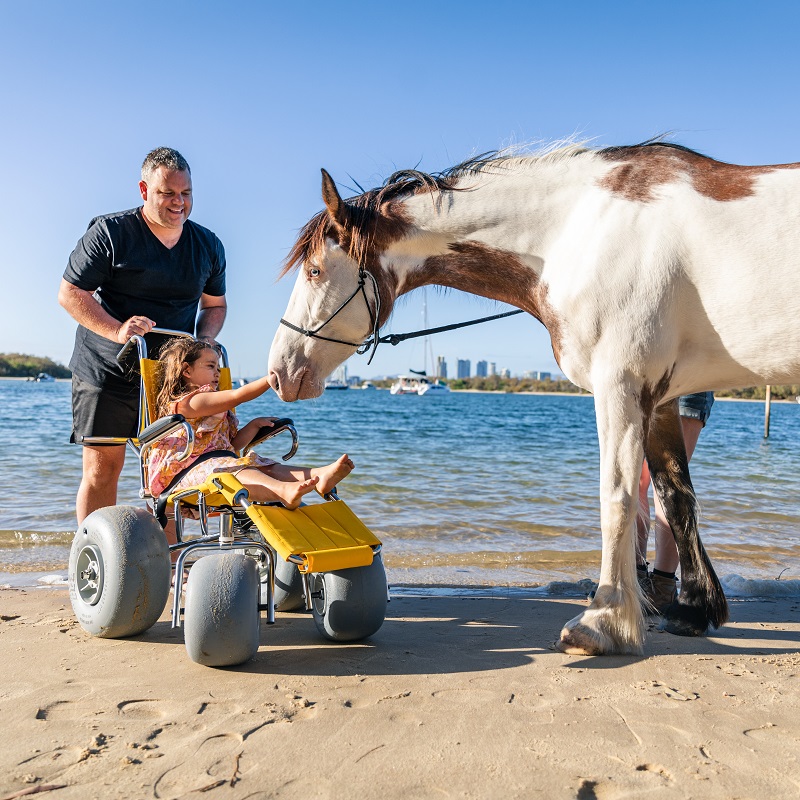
[(455, 697)]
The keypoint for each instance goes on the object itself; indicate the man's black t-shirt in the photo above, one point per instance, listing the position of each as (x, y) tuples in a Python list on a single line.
[(133, 273)]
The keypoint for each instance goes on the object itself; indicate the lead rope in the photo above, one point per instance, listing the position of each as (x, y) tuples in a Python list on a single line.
[(374, 317)]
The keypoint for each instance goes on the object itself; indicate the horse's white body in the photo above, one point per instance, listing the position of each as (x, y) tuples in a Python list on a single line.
[(656, 271)]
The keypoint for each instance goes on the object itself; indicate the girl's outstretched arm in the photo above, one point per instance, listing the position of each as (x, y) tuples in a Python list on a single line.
[(206, 403), (249, 431)]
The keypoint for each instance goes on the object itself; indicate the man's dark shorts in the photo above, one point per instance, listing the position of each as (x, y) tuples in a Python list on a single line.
[(697, 406), (110, 411)]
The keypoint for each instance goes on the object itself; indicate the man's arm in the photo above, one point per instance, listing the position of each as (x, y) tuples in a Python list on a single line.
[(210, 316), (85, 310)]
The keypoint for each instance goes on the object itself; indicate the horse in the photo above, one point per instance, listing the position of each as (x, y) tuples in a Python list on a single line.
[(657, 272)]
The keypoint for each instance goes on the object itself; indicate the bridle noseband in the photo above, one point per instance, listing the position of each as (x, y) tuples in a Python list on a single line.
[(393, 338), (361, 347)]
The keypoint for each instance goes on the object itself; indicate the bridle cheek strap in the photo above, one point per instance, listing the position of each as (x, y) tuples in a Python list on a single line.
[(374, 316)]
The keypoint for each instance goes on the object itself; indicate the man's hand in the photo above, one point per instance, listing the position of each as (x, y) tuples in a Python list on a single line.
[(135, 326)]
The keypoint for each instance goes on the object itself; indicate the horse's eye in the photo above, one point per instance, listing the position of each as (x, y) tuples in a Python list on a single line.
[(314, 272)]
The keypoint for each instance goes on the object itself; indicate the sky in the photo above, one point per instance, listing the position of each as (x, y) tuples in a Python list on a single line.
[(259, 95)]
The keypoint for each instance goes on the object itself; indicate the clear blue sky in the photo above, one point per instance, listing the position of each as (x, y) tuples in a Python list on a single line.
[(259, 95)]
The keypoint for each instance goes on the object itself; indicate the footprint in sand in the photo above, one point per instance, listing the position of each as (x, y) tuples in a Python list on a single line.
[(148, 708), (213, 763)]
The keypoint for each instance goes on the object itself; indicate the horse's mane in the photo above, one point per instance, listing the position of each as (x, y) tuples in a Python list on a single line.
[(365, 208)]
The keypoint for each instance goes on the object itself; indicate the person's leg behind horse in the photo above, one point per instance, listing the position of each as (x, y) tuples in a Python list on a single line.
[(694, 410)]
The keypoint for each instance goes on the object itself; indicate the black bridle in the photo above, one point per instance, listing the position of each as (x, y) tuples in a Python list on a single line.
[(374, 316), (391, 338)]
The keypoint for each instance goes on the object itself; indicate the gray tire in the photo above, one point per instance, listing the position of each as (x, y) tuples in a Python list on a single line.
[(119, 572), (220, 621), (350, 604), (288, 587)]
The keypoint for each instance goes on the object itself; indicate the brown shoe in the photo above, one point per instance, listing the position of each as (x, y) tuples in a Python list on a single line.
[(662, 592)]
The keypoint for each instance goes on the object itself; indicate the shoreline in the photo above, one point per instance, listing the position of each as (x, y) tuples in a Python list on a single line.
[(453, 697)]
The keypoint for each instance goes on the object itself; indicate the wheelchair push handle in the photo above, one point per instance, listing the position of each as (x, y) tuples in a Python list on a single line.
[(142, 346), (279, 426)]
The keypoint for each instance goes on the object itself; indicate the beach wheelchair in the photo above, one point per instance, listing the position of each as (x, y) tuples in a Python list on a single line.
[(248, 557)]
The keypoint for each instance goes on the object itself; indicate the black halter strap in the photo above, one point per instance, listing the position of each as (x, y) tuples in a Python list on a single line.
[(374, 316), (392, 338)]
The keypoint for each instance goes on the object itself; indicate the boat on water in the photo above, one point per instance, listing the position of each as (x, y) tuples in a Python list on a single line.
[(419, 384), (337, 380), (44, 377), (369, 385), (432, 387), (405, 384)]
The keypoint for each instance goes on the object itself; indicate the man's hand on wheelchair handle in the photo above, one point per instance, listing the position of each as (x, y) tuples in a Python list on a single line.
[(135, 326)]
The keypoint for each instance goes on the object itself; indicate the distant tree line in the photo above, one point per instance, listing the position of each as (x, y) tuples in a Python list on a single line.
[(495, 383), (783, 392), (17, 365)]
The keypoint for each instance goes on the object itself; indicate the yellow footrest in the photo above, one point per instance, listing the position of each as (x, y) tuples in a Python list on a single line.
[(326, 536)]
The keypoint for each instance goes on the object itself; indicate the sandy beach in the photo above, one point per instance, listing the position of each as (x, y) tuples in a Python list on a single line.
[(454, 697)]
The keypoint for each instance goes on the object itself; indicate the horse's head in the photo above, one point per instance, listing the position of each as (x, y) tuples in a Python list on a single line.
[(342, 293)]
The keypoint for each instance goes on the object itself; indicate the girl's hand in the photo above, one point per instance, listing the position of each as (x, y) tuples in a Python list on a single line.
[(263, 422), (250, 431)]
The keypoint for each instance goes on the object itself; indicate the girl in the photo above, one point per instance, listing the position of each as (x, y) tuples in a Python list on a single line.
[(188, 386)]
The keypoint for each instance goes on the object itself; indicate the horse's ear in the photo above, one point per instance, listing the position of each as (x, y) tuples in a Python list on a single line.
[(337, 208)]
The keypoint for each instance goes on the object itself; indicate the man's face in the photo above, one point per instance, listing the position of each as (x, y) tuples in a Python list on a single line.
[(167, 196)]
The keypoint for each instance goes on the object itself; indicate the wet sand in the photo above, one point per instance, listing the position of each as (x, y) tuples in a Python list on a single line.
[(454, 697)]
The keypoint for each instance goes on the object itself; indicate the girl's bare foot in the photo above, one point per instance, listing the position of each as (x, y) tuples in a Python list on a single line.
[(330, 475), (290, 494)]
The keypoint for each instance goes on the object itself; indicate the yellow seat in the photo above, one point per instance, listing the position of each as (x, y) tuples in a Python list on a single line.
[(325, 536), (149, 369)]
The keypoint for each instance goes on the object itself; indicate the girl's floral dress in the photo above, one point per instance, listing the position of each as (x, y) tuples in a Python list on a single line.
[(210, 433)]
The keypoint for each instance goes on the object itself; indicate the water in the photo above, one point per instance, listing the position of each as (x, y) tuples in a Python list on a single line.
[(470, 489)]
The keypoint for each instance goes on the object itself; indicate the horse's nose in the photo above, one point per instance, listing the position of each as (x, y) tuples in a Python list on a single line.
[(274, 381)]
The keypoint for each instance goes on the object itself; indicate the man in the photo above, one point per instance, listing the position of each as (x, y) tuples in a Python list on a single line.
[(131, 271)]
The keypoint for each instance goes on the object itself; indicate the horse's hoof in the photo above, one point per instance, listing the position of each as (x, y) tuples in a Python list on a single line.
[(683, 620), (578, 641)]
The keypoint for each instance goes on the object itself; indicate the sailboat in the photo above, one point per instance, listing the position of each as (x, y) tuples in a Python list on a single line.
[(419, 383), (337, 379)]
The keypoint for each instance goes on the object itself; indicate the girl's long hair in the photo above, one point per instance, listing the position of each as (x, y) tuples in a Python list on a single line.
[(172, 358)]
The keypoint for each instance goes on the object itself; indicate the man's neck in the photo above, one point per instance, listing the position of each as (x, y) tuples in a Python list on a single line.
[(169, 237)]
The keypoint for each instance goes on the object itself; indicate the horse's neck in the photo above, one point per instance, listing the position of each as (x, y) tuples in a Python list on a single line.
[(501, 220)]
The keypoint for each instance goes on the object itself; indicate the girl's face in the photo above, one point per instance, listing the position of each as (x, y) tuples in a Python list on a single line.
[(203, 371)]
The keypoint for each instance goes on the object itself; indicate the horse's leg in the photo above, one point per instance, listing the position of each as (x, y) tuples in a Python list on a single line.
[(614, 622), (701, 602)]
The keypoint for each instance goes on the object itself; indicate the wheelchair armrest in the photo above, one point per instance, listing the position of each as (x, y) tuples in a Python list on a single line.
[(161, 427), (280, 425)]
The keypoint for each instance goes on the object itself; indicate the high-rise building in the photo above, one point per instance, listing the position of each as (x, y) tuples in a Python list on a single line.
[(492, 369), (441, 367), (481, 369), (464, 368), (505, 373)]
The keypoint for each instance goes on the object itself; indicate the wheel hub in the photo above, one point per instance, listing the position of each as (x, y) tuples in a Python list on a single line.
[(89, 569)]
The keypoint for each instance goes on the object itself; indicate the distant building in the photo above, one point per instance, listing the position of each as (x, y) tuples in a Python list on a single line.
[(441, 367), (464, 368), (505, 373), (481, 369), (542, 376), (492, 369)]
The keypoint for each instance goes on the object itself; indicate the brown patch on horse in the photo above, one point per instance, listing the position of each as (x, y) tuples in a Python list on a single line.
[(646, 167), (651, 396), (493, 273)]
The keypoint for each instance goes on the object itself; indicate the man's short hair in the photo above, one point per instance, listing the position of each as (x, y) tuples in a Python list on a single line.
[(164, 157)]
